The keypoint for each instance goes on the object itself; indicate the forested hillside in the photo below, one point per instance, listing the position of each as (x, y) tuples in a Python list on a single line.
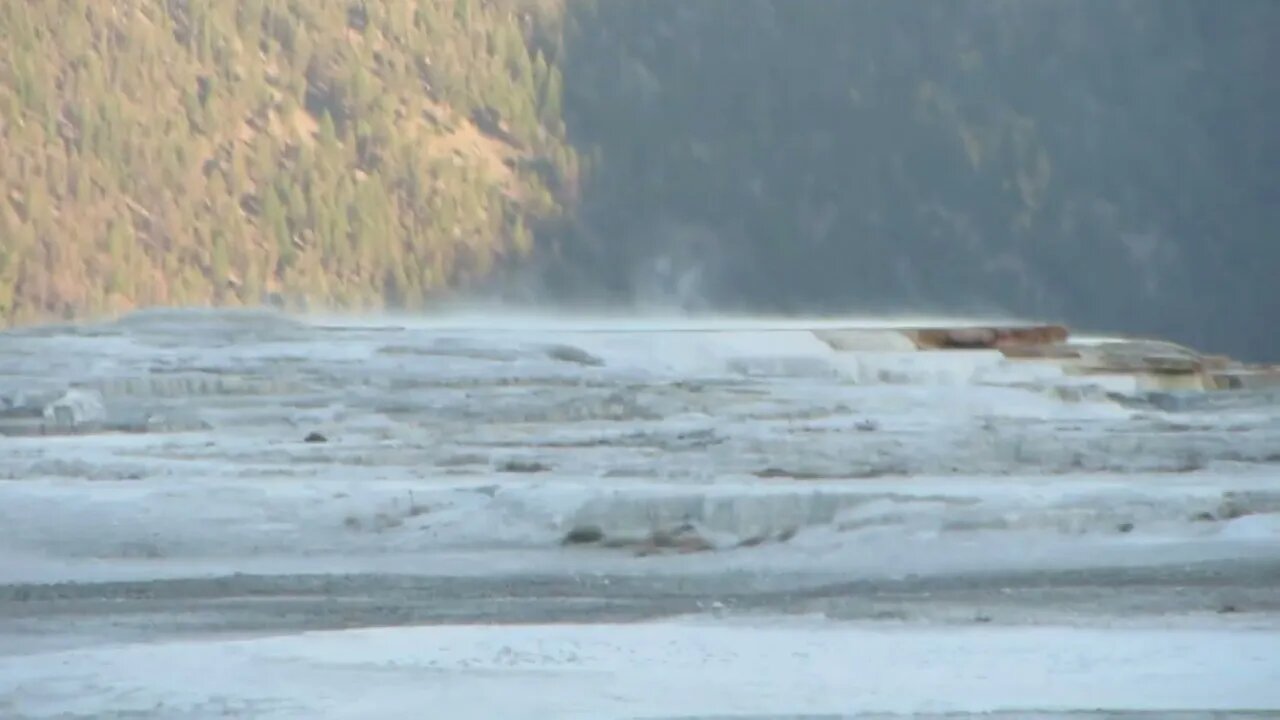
[(193, 151), (1111, 164)]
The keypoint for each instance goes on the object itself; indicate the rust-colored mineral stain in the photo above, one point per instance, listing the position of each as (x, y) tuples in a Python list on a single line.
[(988, 338)]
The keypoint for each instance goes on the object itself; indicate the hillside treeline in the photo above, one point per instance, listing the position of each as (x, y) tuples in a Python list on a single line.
[(1115, 165), (1108, 164), (197, 151)]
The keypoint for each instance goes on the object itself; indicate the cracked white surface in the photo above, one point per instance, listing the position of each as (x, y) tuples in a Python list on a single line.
[(455, 447)]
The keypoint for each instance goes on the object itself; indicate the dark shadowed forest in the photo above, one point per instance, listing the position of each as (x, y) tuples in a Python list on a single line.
[(1114, 165)]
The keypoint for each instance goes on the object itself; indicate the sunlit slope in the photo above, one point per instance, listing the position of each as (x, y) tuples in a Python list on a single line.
[(214, 152)]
